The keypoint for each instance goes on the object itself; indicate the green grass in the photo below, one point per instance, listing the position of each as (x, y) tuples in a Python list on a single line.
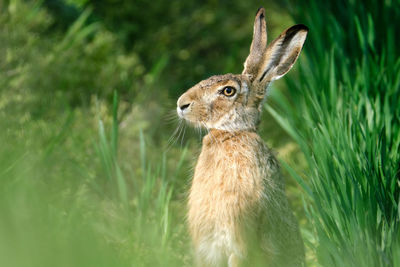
[(346, 120), (56, 211), (83, 182)]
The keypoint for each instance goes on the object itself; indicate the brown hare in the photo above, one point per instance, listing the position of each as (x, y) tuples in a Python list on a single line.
[(238, 210)]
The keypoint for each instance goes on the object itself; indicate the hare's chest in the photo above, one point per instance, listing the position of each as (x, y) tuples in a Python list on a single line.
[(225, 177), (225, 187)]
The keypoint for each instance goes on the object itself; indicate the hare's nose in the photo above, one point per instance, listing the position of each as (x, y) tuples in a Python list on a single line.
[(183, 103), (185, 106)]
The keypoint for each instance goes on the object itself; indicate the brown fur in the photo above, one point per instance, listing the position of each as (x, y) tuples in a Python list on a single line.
[(238, 211)]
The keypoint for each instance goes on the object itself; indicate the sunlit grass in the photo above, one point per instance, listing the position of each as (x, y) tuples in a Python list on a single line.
[(344, 113)]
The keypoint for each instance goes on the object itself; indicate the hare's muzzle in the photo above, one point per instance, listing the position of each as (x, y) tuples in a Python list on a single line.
[(182, 110), (183, 105)]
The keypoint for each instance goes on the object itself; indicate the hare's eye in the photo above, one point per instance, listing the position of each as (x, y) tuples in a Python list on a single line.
[(229, 91)]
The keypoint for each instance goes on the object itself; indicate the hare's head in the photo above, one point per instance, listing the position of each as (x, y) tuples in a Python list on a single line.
[(234, 101)]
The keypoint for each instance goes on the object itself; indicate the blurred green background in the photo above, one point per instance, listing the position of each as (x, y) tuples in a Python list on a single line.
[(95, 167)]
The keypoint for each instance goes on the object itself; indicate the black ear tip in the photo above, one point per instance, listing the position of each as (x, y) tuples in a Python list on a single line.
[(261, 12), (300, 27), (294, 30)]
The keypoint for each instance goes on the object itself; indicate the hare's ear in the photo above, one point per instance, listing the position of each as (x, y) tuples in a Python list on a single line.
[(281, 54), (258, 45)]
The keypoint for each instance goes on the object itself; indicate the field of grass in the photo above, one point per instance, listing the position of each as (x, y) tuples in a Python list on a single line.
[(93, 173), (348, 103)]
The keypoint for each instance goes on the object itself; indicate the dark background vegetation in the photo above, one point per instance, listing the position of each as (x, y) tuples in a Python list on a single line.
[(94, 173)]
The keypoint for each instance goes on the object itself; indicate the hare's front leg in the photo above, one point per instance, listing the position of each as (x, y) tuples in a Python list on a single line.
[(234, 260), (200, 261)]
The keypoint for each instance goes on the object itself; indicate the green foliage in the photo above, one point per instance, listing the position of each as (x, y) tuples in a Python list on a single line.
[(346, 119), (69, 195), (199, 39), (42, 68), (84, 219)]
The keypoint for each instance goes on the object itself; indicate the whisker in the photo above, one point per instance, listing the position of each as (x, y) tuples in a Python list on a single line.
[(183, 135), (171, 116), (200, 131), (172, 140), (180, 132)]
